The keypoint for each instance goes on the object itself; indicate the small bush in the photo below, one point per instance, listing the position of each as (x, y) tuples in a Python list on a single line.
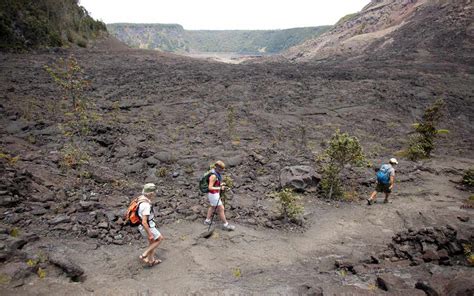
[(189, 169), (468, 253), (422, 143), (15, 232), (81, 42), (73, 157), (342, 149), (288, 202), (162, 172), (11, 160), (229, 183), (468, 178), (41, 273), (331, 184)]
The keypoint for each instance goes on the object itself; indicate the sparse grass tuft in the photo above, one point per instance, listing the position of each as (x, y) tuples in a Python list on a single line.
[(162, 172), (468, 178), (237, 272)]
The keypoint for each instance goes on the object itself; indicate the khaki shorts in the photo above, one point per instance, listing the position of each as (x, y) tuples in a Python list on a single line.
[(156, 233), (385, 188)]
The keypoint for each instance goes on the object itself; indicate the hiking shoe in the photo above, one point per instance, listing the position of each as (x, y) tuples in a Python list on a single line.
[(207, 222), (228, 227), (369, 201)]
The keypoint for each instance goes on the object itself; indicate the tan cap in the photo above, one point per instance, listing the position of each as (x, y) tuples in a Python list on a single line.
[(149, 187)]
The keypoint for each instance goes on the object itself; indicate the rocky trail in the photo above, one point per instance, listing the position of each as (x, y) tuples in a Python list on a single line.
[(255, 260), (164, 118)]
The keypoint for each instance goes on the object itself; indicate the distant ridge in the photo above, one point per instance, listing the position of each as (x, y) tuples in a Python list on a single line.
[(406, 29), (174, 38)]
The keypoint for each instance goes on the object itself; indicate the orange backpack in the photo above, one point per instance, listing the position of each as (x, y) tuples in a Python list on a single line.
[(131, 216)]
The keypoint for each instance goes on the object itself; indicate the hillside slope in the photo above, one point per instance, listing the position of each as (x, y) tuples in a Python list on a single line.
[(408, 29), (42, 23), (174, 38)]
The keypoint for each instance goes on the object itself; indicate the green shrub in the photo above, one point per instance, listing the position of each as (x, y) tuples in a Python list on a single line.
[(70, 78), (81, 42), (42, 23), (342, 149), (229, 183), (331, 183), (288, 203), (73, 157), (422, 143)]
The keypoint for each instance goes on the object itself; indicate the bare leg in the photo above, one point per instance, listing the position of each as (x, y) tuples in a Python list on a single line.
[(386, 197), (220, 210), (210, 211), (372, 196), (153, 251), (150, 251)]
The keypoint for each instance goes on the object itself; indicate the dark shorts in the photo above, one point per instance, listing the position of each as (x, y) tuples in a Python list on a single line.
[(385, 188)]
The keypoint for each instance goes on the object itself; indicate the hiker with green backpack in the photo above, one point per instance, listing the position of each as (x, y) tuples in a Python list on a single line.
[(140, 213), (385, 181), (212, 184)]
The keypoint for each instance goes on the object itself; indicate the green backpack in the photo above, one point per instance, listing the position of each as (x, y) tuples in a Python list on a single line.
[(204, 182)]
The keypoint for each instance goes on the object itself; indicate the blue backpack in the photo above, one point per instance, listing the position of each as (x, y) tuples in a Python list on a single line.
[(383, 175)]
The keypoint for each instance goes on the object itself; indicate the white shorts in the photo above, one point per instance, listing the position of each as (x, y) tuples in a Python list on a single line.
[(154, 230), (213, 199)]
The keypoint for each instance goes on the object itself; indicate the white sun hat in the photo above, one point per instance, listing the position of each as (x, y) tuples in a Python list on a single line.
[(393, 160)]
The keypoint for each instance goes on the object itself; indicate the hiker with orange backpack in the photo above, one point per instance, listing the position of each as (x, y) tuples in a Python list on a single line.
[(385, 181), (214, 188), (140, 213)]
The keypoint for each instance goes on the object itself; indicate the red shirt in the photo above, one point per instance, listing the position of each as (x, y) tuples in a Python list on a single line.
[(216, 184)]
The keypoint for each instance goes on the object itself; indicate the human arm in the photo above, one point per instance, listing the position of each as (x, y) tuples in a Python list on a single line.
[(392, 181), (147, 227), (145, 209)]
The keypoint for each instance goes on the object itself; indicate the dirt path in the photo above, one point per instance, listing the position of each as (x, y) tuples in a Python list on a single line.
[(256, 261)]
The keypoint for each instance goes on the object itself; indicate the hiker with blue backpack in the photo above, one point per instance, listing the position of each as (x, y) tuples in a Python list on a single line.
[(212, 184), (385, 181)]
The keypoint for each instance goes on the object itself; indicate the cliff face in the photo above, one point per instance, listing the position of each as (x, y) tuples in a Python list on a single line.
[(167, 37), (173, 38), (43, 23), (397, 28)]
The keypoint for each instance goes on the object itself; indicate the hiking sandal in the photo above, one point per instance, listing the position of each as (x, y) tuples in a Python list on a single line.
[(155, 262), (143, 259)]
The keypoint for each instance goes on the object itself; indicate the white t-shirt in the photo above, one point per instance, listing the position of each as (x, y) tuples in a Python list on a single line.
[(390, 168), (145, 209)]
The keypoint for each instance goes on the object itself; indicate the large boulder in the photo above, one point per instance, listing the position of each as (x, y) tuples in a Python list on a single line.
[(300, 178)]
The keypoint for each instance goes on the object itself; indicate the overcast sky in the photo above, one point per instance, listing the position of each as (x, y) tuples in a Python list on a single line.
[(223, 14)]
